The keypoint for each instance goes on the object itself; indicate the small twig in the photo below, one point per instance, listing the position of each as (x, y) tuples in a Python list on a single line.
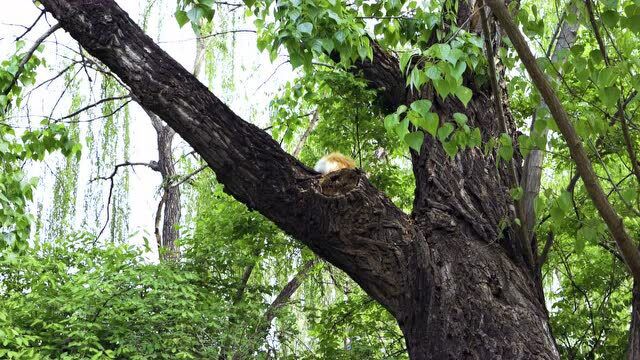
[(270, 76), (111, 184), (84, 64), (209, 36), (102, 101), (305, 135), (99, 117), (187, 177), (29, 28)]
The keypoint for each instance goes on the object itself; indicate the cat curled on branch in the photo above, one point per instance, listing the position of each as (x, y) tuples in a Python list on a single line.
[(334, 162)]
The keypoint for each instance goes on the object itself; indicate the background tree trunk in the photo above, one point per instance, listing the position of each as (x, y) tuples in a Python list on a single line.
[(633, 351), (452, 273)]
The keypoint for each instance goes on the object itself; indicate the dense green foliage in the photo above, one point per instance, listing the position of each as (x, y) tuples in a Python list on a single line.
[(70, 296)]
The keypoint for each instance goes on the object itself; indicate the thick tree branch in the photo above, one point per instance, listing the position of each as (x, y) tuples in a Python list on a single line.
[(340, 216), (578, 153), (384, 75)]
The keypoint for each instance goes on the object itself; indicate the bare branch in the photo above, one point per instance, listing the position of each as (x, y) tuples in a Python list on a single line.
[(101, 101), (29, 28), (111, 184), (98, 117), (210, 36), (187, 177)]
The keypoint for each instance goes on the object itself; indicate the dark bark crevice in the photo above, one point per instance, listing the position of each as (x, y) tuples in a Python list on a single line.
[(482, 305)]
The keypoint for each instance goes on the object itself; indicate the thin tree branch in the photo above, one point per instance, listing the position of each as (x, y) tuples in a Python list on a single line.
[(545, 251), (307, 132), (29, 28), (101, 101), (210, 36), (28, 56), (189, 176), (111, 184), (564, 36)]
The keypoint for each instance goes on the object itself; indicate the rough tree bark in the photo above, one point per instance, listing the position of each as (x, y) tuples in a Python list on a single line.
[(452, 273), (633, 350), (170, 201)]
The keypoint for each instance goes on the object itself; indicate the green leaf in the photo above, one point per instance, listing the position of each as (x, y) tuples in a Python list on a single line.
[(431, 123), (414, 140), (305, 28), (404, 60), (327, 45), (516, 193), (181, 17), (610, 18), (475, 138), (525, 145), (506, 147), (441, 51), (432, 72), (451, 148), (444, 131), (506, 153), (464, 94), (403, 128), (391, 121), (194, 14), (422, 107), (632, 23), (460, 118), (610, 95), (564, 201)]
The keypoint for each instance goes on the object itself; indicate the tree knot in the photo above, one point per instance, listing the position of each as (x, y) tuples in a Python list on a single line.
[(339, 182)]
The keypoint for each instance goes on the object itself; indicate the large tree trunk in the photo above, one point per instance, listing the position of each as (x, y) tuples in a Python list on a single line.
[(478, 300), (452, 273)]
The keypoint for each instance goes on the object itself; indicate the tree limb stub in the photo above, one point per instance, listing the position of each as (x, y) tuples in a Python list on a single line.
[(359, 231)]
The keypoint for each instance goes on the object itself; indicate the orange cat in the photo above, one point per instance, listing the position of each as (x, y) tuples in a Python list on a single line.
[(333, 162)]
